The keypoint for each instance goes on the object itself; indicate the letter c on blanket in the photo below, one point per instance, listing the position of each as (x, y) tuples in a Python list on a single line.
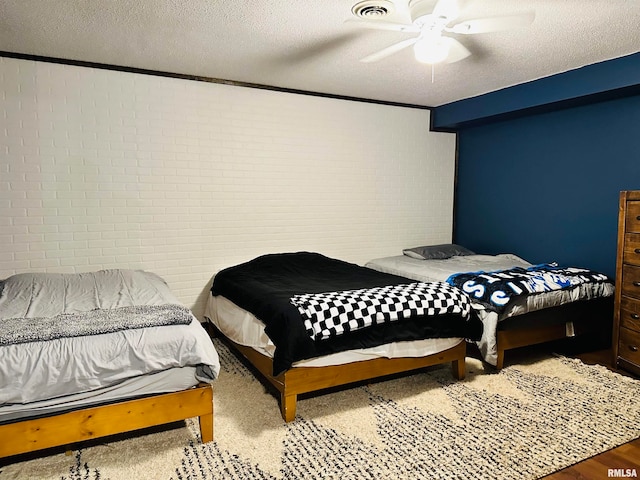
[(499, 298)]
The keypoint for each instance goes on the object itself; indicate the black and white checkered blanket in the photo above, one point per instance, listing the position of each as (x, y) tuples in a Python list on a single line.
[(330, 314)]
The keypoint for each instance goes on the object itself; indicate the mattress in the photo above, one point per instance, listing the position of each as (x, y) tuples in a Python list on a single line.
[(171, 380), (56, 369), (441, 269), (244, 328)]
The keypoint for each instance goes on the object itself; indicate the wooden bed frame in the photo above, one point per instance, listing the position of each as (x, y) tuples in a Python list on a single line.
[(298, 380), (575, 319), (66, 428)]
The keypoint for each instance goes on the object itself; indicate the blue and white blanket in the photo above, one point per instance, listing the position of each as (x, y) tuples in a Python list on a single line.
[(496, 290)]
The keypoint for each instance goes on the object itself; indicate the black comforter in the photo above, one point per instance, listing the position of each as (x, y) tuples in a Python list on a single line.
[(264, 286)]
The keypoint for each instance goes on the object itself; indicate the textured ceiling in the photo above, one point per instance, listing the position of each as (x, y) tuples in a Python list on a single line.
[(307, 45)]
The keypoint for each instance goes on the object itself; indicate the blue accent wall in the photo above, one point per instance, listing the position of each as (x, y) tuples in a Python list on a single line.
[(541, 165), (546, 186)]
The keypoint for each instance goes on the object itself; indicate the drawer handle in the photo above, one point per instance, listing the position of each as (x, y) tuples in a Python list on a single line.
[(633, 348), (636, 284), (637, 250), (635, 316)]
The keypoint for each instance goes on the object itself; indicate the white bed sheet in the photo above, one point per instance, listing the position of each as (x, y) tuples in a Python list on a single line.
[(43, 370), (245, 329), (440, 270)]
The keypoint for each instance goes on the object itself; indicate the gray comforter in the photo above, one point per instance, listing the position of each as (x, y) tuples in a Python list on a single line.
[(63, 365)]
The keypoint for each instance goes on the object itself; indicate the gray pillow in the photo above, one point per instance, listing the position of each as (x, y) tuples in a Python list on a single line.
[(437, 252)]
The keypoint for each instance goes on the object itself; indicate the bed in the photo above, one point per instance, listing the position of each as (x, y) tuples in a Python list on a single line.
[(526, 319), (93, 354), (308, 322)]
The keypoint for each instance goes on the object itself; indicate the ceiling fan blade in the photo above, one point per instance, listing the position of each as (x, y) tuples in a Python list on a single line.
[(493, 24), (385, 52), (457, 51), (317, 50), (383, 25), (448, 9)]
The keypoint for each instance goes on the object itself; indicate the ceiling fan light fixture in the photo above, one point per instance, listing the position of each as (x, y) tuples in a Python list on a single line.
[(431, 50)]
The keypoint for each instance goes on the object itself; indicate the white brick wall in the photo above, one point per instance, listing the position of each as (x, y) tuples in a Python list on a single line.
[(103, 169)]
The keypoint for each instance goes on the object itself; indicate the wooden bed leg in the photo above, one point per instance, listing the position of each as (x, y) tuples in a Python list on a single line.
[(206, 419), (288, 406), (458, 368), (206, 427), (500, 360)]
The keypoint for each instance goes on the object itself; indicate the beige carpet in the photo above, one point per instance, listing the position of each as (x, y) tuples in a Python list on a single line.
[(522, 423)]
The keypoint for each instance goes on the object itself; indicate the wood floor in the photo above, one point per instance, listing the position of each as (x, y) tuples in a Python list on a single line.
[(621, 462)]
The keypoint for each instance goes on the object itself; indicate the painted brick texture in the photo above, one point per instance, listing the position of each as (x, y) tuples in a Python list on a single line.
[(104, 169)]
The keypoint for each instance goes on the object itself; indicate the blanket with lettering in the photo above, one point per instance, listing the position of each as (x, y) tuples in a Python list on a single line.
[(496, 290)]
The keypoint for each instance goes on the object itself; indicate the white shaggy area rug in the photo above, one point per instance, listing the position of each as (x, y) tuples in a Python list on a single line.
[(522, 423)]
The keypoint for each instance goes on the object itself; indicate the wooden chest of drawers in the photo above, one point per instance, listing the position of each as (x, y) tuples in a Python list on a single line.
[(626, 330)]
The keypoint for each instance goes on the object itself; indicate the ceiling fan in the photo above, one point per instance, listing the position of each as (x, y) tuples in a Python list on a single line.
[(432, 21)]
